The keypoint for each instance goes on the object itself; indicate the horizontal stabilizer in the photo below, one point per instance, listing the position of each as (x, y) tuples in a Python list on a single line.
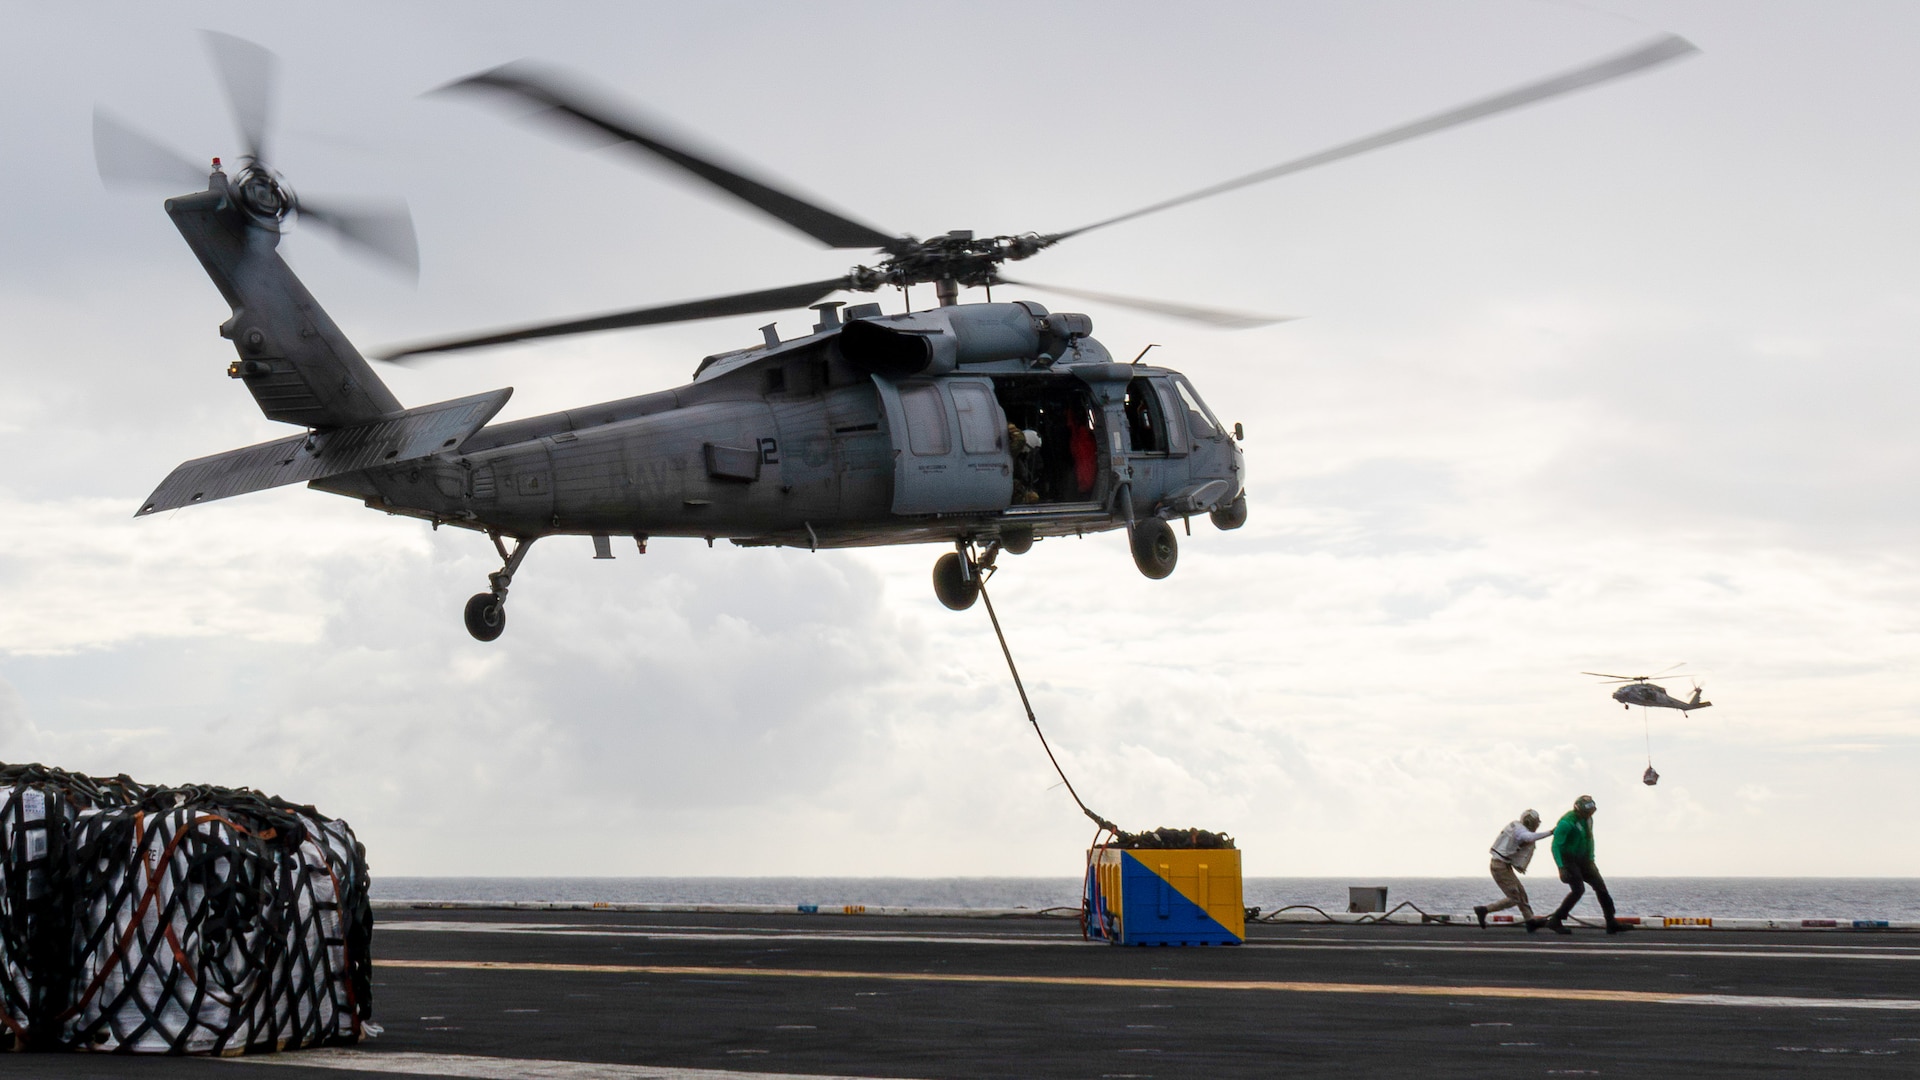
[(416, 433)]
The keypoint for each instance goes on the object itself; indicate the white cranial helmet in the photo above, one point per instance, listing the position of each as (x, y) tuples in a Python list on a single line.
[(1531, 819)]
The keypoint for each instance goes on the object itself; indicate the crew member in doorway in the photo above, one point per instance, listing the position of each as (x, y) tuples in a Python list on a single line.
[(1081, 448), (1512, 850), (1573, 850), (1025, 443)]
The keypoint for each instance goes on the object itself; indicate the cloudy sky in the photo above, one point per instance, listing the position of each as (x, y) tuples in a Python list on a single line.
[(1612, 383)]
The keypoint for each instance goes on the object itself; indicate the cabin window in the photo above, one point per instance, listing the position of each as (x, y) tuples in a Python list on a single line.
[(1175, 413), (980, 431), (1146, 421), (926, 420)]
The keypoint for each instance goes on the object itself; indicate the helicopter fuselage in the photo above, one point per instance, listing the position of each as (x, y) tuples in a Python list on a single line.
[(797, 444), (1656, 697)]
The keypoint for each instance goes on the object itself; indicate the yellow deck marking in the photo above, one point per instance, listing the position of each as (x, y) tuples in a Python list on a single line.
[(1530, 993)]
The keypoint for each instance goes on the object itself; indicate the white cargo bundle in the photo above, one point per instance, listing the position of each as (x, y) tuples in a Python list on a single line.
[(178, 920)]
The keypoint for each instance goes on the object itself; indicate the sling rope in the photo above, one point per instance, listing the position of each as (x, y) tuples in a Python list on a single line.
[(1028, 705)]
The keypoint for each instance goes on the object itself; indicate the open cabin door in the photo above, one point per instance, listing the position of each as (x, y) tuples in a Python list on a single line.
[(950, 450)]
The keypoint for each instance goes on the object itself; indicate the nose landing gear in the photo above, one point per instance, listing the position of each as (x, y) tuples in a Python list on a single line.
[(486, 613), (1154, 549)]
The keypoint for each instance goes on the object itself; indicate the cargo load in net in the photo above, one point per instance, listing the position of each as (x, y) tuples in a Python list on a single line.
[(185, 920)]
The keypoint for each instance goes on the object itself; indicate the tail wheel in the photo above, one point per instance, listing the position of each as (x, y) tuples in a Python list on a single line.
[(486, 616), (955, 587), (1231, 516), (1154, 549)]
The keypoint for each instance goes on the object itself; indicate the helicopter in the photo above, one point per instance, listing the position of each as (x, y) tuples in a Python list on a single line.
[(987, 426), (1640, 690)]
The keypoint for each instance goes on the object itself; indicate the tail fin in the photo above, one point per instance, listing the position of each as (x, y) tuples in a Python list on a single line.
[(1696, 703), (296, 362)]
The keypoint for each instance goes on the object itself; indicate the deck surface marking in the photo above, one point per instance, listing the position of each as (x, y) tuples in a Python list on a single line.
[(1755, 951), (1534, 993), (503, 1068)]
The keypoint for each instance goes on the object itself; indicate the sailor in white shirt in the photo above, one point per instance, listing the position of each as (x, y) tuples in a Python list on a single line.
[(1512, 850)]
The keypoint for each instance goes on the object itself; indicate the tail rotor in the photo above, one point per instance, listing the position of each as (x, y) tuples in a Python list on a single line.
[(129, 158)]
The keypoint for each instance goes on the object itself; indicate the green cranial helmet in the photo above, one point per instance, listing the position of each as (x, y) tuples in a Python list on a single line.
[(1585, 805)]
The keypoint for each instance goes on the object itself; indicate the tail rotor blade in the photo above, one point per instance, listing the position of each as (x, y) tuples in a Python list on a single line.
[(127, 157), (382, 229), (1215, 317), (249, 73)]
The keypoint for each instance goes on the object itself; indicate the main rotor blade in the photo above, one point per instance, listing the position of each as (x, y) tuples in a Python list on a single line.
[(782, 299), (1226, 320), (1658, 51), (249, 74), (577, 107), (384, 229), (1616, 678), (126, 156), (1666, 669)]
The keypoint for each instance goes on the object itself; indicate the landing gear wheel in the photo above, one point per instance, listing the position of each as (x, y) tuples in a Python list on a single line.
[(1016, 539), (1231, 516), (486, 616), (1154, 549), (955, 587)]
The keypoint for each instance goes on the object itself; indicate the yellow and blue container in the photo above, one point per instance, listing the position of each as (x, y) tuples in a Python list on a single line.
[(1164, 897)]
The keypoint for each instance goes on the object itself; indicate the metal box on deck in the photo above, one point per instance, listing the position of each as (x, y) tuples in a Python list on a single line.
[(1363, 898), (1165, 897)]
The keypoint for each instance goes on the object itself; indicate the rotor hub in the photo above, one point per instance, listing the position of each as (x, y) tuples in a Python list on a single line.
[(263, 192), (956, 256)]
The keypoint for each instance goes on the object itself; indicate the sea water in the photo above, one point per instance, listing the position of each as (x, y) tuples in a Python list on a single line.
[(1895, 899)]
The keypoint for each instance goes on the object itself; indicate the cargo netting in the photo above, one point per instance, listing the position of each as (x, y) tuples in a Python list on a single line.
[(185, 920), (1170, 840)]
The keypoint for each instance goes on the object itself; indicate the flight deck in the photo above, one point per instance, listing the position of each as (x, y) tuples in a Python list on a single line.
[(623, 995)]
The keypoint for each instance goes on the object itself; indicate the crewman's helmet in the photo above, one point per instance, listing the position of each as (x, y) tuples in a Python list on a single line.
[(1585, 806), (1531, 819)]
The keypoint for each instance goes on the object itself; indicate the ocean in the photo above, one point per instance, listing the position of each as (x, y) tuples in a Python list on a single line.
[(1896, 899)]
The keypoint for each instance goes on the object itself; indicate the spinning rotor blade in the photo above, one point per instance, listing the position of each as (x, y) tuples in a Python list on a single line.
[(384, 229), (249, 74), (782, 299), (127, 157), (1666, 669), (1616, 678), (1658, 51), (575, 107), (1226, 320)]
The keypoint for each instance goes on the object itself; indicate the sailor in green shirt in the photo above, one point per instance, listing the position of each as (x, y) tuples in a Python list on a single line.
[(1573, 851)]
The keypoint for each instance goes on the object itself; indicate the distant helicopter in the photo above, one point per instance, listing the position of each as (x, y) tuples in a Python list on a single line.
[(985, 426), (1640, 691)]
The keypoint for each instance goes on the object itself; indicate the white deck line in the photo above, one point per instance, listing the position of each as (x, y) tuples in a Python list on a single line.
[(500, 1068)]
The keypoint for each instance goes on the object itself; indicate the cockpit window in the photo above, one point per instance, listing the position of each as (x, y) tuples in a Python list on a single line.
[(1199, 416)]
